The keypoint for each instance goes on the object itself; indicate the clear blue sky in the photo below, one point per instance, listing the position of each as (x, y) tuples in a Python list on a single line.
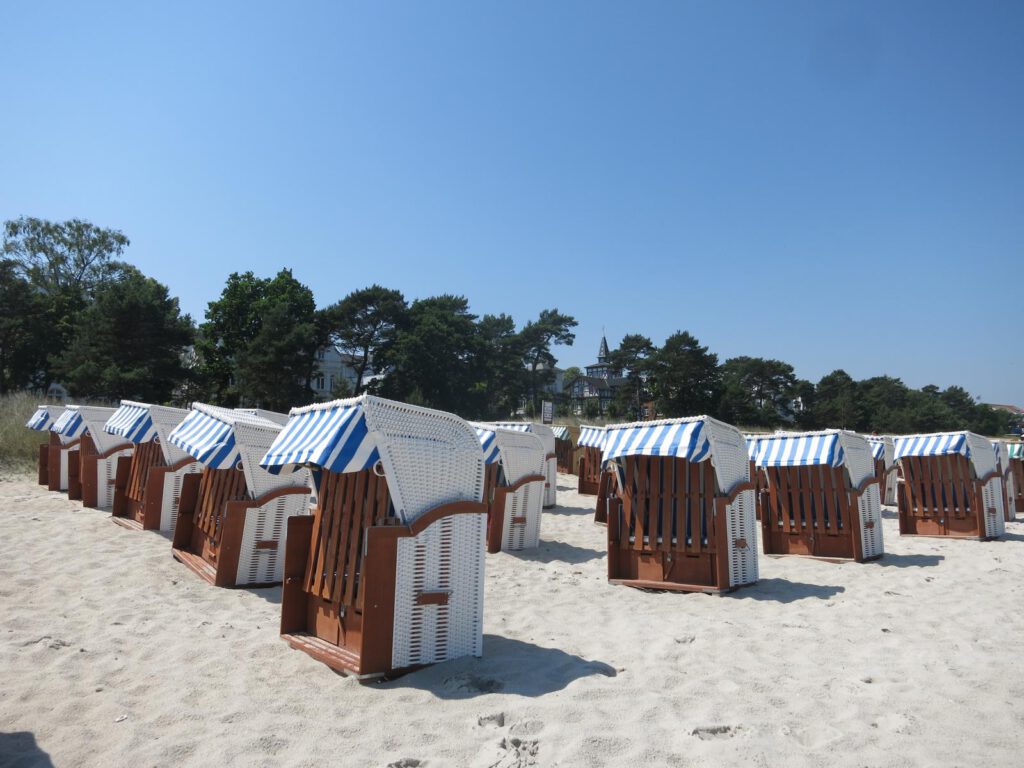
[(835, 184)]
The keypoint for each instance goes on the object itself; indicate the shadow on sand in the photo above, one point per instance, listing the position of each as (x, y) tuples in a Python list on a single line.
[(785, 591), (20, 748), (908, 561), (562, 509), (507, 666), (270, 594), (558, 551)]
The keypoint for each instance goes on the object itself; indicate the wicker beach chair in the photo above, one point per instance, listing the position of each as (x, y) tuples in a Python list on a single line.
[(564, 450), (388, 574), (547, 436), (513, 488), (682, 514), (883, 452), (41, 421), (951, 486), (1006, 473), (1015, 454), (233, 516), (147, 485), (589, 445), (821, 496), (98, 454)]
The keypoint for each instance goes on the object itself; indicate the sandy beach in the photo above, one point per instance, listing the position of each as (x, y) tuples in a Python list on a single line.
[(113, 654)]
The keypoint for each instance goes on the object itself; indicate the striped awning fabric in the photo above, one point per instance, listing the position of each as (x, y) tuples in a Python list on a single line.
[(514, 425), (751, 445), (1015, 450), (800, 450), (877, 447), (70, 424), (488, 443), (681, 439), (207, 434), (329, 436), (561, 433), (132, 421), (40, 419), (943, 444), (591, 437)]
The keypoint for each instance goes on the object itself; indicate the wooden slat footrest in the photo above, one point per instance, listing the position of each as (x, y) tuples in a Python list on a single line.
[(334, 656), (671, 586), (127, 522), (196, 563)]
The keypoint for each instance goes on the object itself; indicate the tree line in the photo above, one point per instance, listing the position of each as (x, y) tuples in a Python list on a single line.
[(75, 312)]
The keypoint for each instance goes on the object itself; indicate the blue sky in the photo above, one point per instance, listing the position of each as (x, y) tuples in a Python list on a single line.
[(835, 184)]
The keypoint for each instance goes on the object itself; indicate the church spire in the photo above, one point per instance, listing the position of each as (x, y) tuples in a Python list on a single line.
[(602, 353)]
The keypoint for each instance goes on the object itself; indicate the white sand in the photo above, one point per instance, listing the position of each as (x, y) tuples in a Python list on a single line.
[(113, 654)]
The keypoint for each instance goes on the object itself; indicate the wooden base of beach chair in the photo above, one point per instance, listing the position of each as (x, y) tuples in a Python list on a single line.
[(810, 512), (940, 497), (99, 474), (367, 595), (513, 516), (589, 481), (227, 539), (45, 450), (668, 528), (129, 508)]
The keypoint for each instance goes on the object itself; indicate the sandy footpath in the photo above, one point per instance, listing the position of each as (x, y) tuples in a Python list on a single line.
[(113, 654)]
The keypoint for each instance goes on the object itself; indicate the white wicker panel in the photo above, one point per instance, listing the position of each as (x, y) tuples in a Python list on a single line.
[(891, 482), (992, 498), (551, 482), (106, 471), (522, 454), (860, 464), (446, 557), (65, 457), (869, 508), (95, 419), (165, 419), (171, 498), (253, 437), (983, 458), (728, 454), (267, 523), (430, 457), (741, 523), (525, 502)]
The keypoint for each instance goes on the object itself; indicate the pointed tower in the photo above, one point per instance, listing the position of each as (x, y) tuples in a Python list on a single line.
[(602, 353)]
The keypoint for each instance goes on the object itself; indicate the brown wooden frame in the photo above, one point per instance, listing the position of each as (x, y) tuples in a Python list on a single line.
[(496, 510), (940, 496), (1017, 470), (648, 507), (563, 455), (589, 482), (90, 458), (811, 511), (132, 483), (74, 489), (44, 460), (338, 598)]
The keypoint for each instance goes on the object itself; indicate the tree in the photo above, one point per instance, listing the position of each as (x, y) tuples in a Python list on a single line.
[(552, 327), (22, 330), (757, 392), (129, 342), (632, 357), (684, 377), (502, 378), (836, 401), (363, 324), (882, 405)]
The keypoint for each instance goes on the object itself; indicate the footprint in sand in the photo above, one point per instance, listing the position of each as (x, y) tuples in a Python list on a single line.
[(407, 762), (472, 684), (708, 732)]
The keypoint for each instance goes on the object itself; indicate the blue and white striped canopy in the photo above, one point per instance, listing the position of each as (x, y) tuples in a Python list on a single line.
[(207, 438), (70, 424), (591, 437), (132, 421), (40, 419), (517, 426), (681, 439), (332, 437), (802, 450), (561, 433), (945, 444), (877, 447), (751, 446), (489, 444), (1015, 450)]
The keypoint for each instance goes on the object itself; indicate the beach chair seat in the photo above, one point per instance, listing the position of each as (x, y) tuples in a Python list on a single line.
[(44, 417), (148, 484), (589, 473), (387, 574), (681, 513), (951, 486), (232, 517), (514, 487), (821, 498)]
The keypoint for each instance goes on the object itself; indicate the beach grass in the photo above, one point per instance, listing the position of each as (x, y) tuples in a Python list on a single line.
[(19, 447)]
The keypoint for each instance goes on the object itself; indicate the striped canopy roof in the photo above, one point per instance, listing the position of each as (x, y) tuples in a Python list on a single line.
[(591, 437), (331, 436), (42, 419), (681, 438), (800, 450), (561, 433), (517, 426), (877, 446), (132, 421), (940, 444), (70, 424), (208, 435), (488, 443), (1016, 450), (751, 445)]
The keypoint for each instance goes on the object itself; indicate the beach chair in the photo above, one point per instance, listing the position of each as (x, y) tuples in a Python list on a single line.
[(757, 475), (513, 488), (682, 514), (1015, 454), (1009, 486), (147, 485), (41, 421), (563, 450), (98, 454), (232, 517), (951, 486), (883, 452), (589, 445), (388, 573), (821, 496), (547, 436)]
